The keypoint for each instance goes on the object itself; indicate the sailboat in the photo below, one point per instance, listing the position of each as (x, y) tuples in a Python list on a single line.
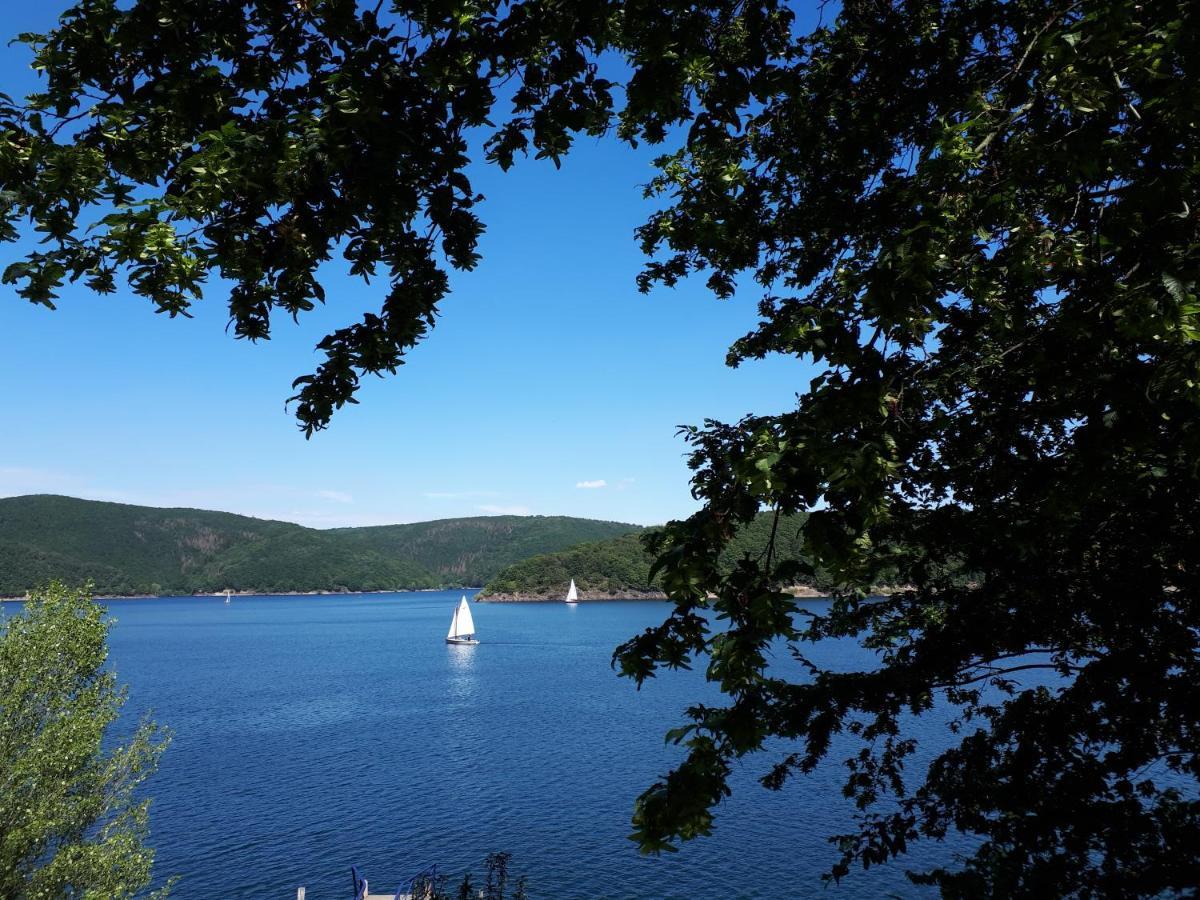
[(572, 594), (227, 595), (462, 627)]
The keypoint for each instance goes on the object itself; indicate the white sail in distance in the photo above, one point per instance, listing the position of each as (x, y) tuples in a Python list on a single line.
[(462, 625), (572, 594)]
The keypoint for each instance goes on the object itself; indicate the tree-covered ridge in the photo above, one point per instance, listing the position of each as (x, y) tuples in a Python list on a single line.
[(127, 549), (470, 551), (621, 565)]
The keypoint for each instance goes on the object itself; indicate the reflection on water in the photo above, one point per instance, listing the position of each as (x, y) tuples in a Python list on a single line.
[(462, 682), (462, 656)]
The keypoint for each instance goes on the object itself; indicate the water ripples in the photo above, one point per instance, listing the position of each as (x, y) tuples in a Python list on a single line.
[(313, 733)]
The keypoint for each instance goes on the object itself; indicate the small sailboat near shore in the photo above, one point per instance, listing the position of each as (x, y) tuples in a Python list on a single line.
[(462, 626), (572, 593), (227, 596)]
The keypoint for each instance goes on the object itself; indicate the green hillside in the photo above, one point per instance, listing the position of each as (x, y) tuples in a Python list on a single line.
[(470, 551), (309, 560), (136, 549), (620, 565)]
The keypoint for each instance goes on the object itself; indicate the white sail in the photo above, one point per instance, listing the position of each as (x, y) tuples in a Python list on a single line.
[(572, 594), (462, 625), (466, 624)]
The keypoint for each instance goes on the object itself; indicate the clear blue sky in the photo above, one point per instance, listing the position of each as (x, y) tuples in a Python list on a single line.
[(547, 371)]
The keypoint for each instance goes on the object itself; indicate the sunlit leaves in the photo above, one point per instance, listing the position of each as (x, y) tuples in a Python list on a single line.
[(72, 823)]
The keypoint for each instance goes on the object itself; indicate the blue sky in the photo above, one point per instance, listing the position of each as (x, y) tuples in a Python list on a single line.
[(550, 385)]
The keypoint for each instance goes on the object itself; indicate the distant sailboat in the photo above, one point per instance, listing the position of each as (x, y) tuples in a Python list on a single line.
[(227, 595), (572, 594), (462, 627)]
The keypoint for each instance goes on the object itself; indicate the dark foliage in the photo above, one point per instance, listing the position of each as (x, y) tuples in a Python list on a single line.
[(982, 219)]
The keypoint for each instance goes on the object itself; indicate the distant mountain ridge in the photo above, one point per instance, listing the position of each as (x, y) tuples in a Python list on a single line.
[(127, 549)]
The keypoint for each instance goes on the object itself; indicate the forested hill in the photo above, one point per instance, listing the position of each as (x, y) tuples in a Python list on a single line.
[(470, 551), (127, 549), (620, 566)]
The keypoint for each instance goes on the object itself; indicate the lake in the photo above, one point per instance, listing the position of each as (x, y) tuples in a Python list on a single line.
[(318, 732)]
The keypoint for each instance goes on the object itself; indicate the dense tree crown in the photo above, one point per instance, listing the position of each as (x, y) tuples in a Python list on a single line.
[(980, 217), (70, 822)]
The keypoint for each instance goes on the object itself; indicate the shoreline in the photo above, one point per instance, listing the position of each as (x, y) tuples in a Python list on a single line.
[(584, 597), (802, 591), (221, 594)]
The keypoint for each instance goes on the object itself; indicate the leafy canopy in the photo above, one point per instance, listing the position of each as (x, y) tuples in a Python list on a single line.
[(70, 824), (980, 217)]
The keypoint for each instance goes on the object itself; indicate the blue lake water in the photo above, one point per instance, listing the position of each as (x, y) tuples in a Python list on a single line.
[(316, 733)]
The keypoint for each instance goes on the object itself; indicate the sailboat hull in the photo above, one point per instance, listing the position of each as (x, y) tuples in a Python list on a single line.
[(458, 640)]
